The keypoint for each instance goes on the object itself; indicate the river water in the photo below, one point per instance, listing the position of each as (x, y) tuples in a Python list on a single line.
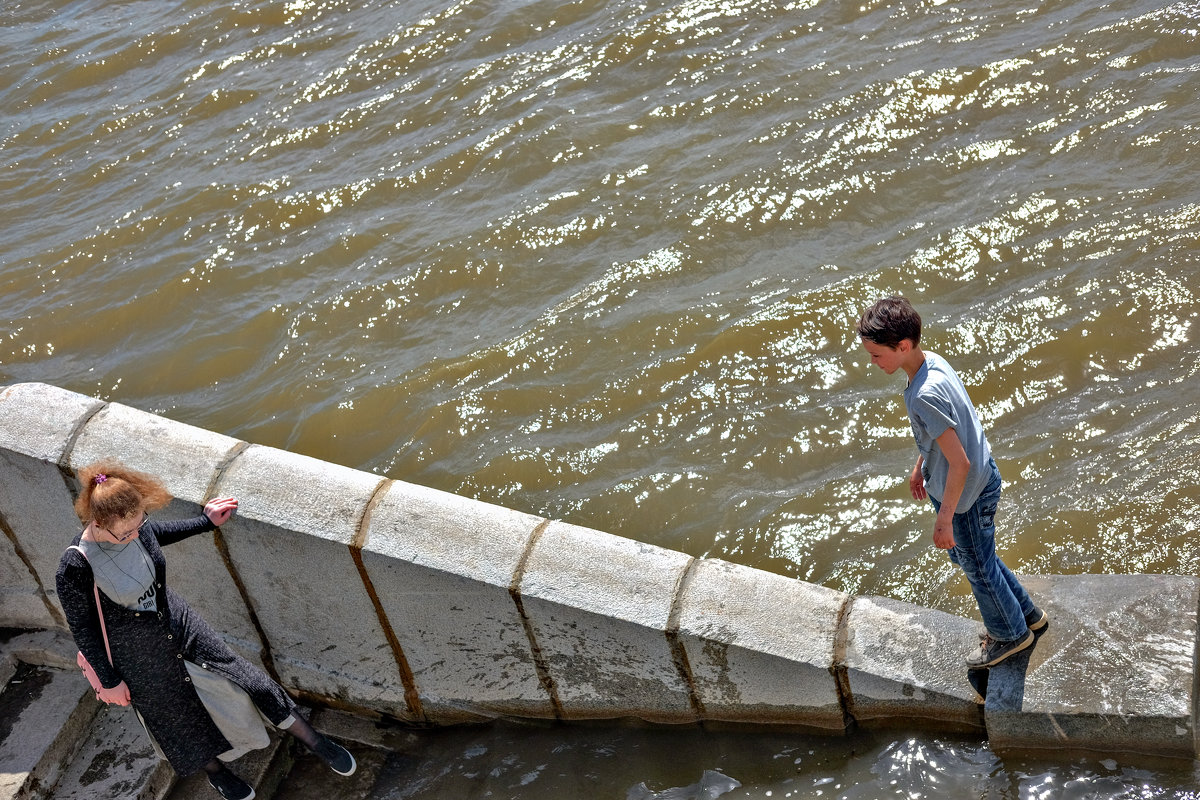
[(599, 260)]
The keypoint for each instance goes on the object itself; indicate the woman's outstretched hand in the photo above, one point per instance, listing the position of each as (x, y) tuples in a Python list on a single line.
[(116, 696), (220, 509)]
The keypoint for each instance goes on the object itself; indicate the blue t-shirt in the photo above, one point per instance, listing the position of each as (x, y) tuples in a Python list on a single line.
[(936, 400)]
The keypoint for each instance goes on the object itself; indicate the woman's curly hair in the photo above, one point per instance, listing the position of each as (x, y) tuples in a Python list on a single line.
[(109, 491)]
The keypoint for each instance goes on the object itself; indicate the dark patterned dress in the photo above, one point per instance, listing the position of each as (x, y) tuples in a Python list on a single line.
[(150, 648)]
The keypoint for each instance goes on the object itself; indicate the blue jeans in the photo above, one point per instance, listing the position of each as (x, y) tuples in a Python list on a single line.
[(1003, 602)]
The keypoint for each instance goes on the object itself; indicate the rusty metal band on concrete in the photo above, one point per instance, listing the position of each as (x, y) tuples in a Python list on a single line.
[(268, 658), (838, 669), (678, 651), (412, 697), (64, 458), (540, 664)]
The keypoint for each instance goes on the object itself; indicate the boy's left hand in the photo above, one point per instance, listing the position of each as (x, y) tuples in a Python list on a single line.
[(916, 484), (943, 533)]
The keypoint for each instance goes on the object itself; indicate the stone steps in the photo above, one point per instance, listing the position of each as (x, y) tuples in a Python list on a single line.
[(45, 713), (262, 769), (57, 742), (373, 746), (115, 760)]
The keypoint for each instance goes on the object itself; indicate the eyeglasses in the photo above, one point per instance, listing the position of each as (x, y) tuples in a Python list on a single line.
[(123, 535)]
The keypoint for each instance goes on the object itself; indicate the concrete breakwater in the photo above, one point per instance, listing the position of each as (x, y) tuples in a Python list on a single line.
[(381, 596)]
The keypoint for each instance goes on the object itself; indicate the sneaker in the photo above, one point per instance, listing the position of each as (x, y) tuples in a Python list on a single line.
[(337, 757), (230, 786), (992, 651), (1037, 619)]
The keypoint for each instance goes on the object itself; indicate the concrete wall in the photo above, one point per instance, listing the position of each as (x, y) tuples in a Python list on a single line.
[(382, 596)]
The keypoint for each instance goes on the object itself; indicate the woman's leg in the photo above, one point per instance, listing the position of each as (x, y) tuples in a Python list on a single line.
[(337, 757), (228, 785)]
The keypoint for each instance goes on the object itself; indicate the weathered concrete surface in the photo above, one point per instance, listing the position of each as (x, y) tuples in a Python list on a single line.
[(22, 602), (442, 567), (311, 779), (290, 542), (412, 603), (116, 760), (263, 769), (904, 665), (379, 748), (1114, 671), (598, 607), (187, 460), (761, 646), (47, 648), (37, 424), (42, 722)]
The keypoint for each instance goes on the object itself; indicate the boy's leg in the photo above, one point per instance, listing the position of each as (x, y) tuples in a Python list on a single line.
[(1003, 602), (1023, 599)]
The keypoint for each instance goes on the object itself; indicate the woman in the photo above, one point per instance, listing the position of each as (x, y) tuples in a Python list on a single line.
[(201, 703)]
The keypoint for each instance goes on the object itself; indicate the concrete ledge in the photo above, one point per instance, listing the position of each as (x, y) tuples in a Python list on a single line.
[(23, 603), (1114, 671), (49, 648), (187, 460), (761, 647), (442, 566), (904, 665), (290, 542), (379, 596), (597, 606), (37, 425)]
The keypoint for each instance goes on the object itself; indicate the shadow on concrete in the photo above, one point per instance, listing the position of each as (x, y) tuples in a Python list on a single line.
[(1003, 686)]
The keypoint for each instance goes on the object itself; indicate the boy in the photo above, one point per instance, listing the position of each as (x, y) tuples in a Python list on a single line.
[(956, 472)]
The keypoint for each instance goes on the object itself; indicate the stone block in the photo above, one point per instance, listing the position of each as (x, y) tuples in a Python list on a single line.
[(47, 648), (904, 664), (1113, 672), (38, 420), (263, 769), (23, 604), (116, 760), (37, 424), (598, 606), (186, 459), (442, 566), (370, 731), (46, 714), (761, 646), (290, 545)]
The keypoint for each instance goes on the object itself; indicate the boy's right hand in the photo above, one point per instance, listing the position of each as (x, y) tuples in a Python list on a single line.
[(916, 483), (943, 531)]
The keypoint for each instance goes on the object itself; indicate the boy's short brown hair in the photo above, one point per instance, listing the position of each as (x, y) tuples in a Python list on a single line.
[(889, 322)]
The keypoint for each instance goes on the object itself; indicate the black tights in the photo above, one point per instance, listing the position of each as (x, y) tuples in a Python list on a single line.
[(299, 728), (303, 731)]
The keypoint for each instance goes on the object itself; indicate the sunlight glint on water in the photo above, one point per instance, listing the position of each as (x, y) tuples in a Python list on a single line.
[(599, 261)]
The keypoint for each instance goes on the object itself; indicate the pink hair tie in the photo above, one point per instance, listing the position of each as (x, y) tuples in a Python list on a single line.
[(101, 478)]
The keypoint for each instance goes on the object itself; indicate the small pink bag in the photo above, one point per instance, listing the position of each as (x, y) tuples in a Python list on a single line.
[(80, 659)]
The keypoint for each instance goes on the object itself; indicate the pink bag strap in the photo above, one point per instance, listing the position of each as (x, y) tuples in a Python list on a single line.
[(99, 610)]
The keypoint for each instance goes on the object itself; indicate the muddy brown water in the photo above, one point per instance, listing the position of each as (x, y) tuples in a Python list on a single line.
[(599, 261)]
